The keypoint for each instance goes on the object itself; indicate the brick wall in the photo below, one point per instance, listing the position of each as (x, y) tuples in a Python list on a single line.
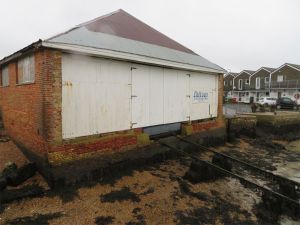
[(22, 109), (220, 95)]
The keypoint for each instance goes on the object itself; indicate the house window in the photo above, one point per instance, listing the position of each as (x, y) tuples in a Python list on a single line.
[(257, 83), (267, 80), (26, 70), (246, 81), (279, 78), (225, 83), (5, 77), (231, 83), (240, 84)]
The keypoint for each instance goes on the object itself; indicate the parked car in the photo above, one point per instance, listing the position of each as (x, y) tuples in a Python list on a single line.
[(286, 103), (267, 101)]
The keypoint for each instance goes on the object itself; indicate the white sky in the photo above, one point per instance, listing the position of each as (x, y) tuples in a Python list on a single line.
[(235, 34)]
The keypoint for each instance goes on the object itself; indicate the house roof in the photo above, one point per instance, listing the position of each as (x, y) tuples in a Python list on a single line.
[(231, 73), (269, 69), (294, 65), (250, 72), (124, 25), (121, 35)]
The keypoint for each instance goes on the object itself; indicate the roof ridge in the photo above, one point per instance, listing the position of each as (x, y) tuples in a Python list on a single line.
[(100, 17), (85, 23)]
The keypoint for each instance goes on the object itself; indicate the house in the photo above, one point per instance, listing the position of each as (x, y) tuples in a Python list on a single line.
[(241, 85), (104, 87), (260, 83), (228, 83), (285, 82)]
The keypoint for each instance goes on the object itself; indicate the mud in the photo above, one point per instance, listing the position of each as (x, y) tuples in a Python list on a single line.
[(40, 219), (155, 193), (121, 195), (104, 220)]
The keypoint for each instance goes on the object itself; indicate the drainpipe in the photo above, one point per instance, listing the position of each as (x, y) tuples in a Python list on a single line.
[(270, 83)]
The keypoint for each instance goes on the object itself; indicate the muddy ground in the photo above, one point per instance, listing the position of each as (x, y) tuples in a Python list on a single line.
[(158, 194)]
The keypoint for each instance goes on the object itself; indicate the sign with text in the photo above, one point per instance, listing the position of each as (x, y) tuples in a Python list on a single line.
[(200, 97)]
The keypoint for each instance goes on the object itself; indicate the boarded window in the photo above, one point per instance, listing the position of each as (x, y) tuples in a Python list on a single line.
[(26, 70), (5, 77)]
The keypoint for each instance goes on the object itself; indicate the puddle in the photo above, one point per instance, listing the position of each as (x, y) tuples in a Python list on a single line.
[(291, 170), (294, 146)]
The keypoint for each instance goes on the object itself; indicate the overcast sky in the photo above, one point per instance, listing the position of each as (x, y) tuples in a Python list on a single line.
[(235, 34)]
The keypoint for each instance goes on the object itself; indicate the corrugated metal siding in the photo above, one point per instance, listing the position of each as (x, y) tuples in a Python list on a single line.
[(102, 96), (96, 96)]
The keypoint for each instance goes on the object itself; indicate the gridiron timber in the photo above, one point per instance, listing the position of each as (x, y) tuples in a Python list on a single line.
[(263, 189)]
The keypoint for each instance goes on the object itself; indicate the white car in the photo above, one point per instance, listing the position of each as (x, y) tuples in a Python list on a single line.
[(267, 101)]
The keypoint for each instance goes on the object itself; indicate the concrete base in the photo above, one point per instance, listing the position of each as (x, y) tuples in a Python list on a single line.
[(111, 163), (276, 119)]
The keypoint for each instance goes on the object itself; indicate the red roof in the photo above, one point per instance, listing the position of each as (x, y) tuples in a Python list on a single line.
[(122, 24)]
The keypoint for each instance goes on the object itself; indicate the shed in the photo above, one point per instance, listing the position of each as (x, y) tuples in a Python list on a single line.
[(105, 86)]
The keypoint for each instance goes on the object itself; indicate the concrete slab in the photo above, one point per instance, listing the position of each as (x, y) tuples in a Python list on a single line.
[(289, 169), (278, 118)]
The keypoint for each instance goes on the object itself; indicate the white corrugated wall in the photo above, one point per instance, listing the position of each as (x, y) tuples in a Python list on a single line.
[(102, 95)]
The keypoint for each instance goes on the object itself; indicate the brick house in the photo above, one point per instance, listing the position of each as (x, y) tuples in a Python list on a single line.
[(104, 87)]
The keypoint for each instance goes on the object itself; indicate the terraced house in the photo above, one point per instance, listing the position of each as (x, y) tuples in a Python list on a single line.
[(260, 83), (228, 83), (249, 86), (241, 86), (285, 82)]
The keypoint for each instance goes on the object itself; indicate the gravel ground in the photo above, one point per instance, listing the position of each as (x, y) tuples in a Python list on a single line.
[(10, 153), (156, 194)]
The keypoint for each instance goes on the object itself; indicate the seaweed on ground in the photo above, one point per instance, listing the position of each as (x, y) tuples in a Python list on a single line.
[(120, 195), (40, 219), (104, 220)]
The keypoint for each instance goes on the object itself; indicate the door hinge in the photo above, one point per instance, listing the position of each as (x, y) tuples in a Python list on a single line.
[(133, 96), (189, 75), (132, 124), (189, 117), (133, 68)]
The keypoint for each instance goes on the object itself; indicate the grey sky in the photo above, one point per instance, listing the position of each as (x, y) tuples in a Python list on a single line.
[(235, 34)]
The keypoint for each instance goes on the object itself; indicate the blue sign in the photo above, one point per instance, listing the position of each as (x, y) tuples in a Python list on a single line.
[(200, 96)]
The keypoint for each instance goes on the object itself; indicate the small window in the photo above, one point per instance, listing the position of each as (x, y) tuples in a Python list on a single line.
[(240, 84), (267, 80), (279, 78), (246, 81), (225, 83), (231, 83), (257, 85), (5, 77), (26, 70)]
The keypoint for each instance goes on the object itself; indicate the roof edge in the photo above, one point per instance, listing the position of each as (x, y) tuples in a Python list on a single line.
[(21, 52), (129, 57), (261, 68), (285, 64)]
